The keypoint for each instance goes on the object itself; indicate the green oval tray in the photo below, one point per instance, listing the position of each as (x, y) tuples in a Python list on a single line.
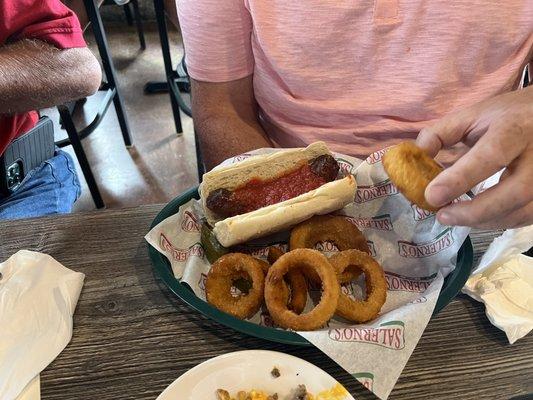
[(452, 284)]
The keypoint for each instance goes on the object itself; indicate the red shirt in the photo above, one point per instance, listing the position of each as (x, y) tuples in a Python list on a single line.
[(47, 20)]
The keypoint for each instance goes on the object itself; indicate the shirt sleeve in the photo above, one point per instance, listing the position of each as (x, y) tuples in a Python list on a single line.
[(217, 39), (48, 20)]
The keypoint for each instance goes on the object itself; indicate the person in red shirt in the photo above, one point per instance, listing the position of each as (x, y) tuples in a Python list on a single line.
[(44, 62)]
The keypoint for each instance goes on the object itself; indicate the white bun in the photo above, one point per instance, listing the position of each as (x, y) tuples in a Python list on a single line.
[(276, 217)]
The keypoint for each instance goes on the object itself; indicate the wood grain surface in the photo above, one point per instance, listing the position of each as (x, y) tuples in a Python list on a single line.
[(132, 337)]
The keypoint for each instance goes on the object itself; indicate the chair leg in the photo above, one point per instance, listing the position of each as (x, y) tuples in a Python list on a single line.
[(109, 69), (127, 12), (165, 48), (138, 21), (81, 156)]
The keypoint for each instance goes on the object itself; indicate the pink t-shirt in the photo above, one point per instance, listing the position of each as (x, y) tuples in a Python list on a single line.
[(358, 74)]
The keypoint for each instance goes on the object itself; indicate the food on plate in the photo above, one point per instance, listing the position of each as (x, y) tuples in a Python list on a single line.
[(337, 392), (275, 372), (268, 193), (220, 280), (276, 301), (410, 169), (297, 285), (328, 228), (376, 286)]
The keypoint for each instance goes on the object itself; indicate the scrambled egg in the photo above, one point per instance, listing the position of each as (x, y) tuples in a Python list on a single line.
[(256, 395), (337, 392)]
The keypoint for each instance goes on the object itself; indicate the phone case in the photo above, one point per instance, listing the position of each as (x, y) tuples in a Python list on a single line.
[(26, 153)]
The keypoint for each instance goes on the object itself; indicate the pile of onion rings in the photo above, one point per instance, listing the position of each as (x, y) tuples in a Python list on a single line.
[(411, 170), (283, 285)]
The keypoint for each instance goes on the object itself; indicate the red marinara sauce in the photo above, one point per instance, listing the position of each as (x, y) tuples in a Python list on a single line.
[(257, 193)]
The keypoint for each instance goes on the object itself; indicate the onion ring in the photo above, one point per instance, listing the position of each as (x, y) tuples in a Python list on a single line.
[(376, 286), (274, 297), (295, 280), (410, 169), (328, 228), (274, 253), (220, 280), (349, 274)]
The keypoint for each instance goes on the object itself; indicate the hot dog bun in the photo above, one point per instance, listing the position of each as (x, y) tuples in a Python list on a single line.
[(276, 217)]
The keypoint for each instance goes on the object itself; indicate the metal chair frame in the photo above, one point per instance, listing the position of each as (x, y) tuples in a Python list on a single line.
[(174, 82), (112, 95)]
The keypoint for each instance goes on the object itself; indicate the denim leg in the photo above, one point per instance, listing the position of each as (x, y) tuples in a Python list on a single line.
[(51, 188)]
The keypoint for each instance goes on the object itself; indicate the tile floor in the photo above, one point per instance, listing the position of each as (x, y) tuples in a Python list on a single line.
[(161, 164)]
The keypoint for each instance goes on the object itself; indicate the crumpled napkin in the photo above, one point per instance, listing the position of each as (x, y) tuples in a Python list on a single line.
[(38, 296), (503, 280)]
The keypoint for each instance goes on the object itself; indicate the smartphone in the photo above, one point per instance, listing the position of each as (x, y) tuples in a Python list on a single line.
[(26, 153)]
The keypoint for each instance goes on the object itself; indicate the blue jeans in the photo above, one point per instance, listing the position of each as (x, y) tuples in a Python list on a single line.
[(51, 188)]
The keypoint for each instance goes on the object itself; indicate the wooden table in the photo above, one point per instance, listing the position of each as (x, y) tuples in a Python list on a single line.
[(132, 337)]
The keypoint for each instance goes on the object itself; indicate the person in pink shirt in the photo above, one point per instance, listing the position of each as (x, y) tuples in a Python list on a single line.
[(362, 75)]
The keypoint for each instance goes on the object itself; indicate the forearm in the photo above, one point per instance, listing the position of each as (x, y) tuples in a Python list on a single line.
[(223, 137), (35, 75), (225, 128)]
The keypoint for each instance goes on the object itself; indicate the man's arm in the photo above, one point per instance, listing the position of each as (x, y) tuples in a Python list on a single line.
[(34, 75), (225, 119)]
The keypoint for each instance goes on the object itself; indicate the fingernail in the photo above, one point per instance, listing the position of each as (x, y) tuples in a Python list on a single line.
[(437, 195), (446, 218)]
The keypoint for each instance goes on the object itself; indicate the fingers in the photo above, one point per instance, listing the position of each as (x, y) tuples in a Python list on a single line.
[(514, 219), (503, 205), (517, 219), (494, 151), (446, 132)]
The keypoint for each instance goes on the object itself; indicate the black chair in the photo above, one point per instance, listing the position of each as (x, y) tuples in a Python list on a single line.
[(129, 17), (177, 81), (112, 94)]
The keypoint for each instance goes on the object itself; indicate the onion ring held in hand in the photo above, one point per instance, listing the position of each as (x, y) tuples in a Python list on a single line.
[(220, 280), (328, 228), (376, 286), (410, 169), (276, 301), (295, 280)]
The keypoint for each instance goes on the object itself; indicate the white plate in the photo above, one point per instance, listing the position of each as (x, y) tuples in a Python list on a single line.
[(246, 370)]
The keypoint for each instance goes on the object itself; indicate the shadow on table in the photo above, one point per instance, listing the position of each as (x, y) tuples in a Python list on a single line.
[(476, 310)]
